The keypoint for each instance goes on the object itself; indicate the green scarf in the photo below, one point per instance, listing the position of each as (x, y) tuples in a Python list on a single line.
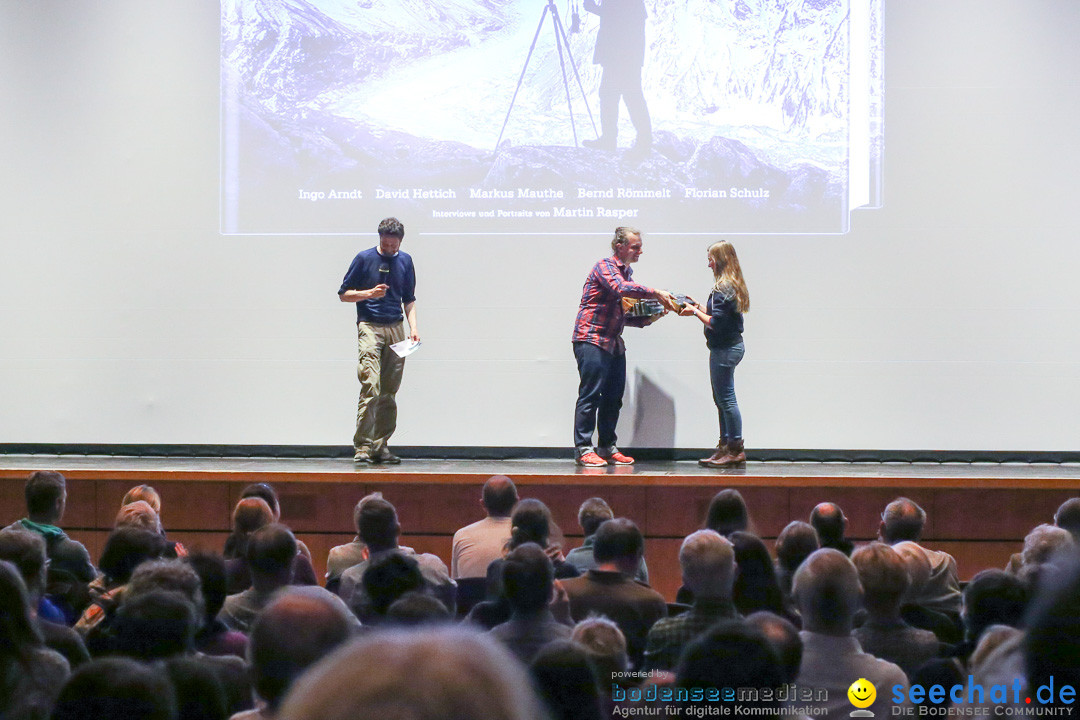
[(49, 531)]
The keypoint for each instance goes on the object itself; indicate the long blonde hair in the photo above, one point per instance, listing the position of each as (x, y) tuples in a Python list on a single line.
[(728, 273)]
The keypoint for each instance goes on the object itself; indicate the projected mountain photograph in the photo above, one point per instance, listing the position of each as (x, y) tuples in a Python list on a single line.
[(681, 116)]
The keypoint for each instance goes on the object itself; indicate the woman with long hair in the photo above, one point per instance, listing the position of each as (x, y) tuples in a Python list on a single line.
[(723, 318)]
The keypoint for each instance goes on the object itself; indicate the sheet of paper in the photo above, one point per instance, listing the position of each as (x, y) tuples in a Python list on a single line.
[(406, 347)]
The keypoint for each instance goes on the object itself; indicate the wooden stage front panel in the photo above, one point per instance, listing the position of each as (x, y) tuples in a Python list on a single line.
[(979, 513)]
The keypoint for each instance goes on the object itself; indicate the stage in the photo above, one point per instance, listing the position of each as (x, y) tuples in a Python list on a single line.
[(979, 512)]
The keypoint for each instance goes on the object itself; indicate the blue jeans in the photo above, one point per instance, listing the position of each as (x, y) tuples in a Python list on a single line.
[(603, 379), (722, 362)]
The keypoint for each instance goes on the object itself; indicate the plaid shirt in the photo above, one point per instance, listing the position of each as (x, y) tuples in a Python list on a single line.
[(600, 317), (669, 636)]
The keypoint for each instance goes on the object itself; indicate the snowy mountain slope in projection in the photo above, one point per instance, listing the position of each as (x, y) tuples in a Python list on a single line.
[(397, 106)]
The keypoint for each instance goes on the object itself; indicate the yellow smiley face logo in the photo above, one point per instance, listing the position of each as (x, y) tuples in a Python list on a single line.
[(862, 693)]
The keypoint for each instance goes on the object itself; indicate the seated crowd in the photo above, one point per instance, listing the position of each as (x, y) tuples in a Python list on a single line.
[(514, 627)]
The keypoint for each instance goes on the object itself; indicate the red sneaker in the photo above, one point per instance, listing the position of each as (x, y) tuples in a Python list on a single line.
[(591, 459), (617, 458)]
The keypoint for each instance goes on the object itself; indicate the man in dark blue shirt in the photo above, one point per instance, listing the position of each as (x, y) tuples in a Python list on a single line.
[(382, 282)]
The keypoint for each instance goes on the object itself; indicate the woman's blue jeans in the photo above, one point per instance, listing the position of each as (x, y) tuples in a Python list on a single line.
[(722, 362)]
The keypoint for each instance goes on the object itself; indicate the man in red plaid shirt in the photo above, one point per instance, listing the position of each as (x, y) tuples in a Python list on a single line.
[(599, 348)]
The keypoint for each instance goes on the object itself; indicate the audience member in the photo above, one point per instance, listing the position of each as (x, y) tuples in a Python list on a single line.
[(591, 514), (386, 579), (831, 524), (215, 637), (125, 549), (885, 581), (199, 693), (476, 545), (727, 512), (610, 588), (267, 492), (991, 639), (343, 557), (528, 582), (155, 625), (828, 593), (756, 587), (26, 551), (70, 568), (903, 520), (1066, 517), (946, 627), (434, 675), (732, 654), (945, 672), (1051, 645), (566, 681), (31, 674), (293, 633), (251, 514), (271, 551), (606, 645), (794, 544), (707, 560), (1043, 545), (114, 688), (784, 639), (992, 597), (379, 529)]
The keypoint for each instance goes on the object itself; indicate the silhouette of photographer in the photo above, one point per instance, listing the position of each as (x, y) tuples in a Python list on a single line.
[(620, 50)]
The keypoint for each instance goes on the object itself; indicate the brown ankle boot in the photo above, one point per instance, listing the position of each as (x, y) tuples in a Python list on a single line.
[(721, 450), (733, 457)]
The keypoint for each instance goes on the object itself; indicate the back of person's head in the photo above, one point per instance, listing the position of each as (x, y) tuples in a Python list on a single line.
[(619, 541), (388, 577), (271, 550), (707, 560), (731, 654), (918, 567), (829, 521), (139, 514), (26, 551), (592, 513), (170, 575), (377, 523), (291, 634), (884, 578), (155, 625), (531, 522), (528, 578), (18, 631), (45, 491), (992, 597), (360, 506), (199, 692), (250, 514), (795, 543), (727, 512), (499, 496), (1044, 541), (1067, 516), (210, 567), (828, 592), (784, 639), (756, 586), (125, 549), (434, 675), (903, 519), (605, 642), (267, 493), (145, 493), (567, 681), (417, 609), (1052, 639), (114, 688)]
